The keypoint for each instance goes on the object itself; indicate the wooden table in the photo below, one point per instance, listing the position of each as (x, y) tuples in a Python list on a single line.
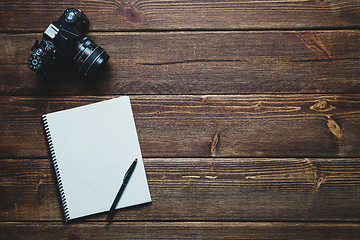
[(248, 116)]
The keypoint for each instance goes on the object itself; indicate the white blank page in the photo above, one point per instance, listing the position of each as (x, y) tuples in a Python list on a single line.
[(94, 145)]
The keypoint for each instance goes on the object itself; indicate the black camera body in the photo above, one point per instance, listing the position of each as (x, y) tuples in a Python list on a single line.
[(64, 39)]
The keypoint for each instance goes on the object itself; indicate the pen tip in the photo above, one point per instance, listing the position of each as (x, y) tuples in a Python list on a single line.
[(135, 160)]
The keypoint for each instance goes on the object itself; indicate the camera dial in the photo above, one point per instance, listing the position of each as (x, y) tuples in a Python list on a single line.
[(72, 15), (48, 46), (34, 62), (39, 51)]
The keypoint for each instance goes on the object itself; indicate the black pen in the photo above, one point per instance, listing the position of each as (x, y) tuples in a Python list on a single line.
[(122, 188)]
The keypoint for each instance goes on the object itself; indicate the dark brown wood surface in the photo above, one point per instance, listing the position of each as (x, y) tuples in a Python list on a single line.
[(181, 230), (204, 189), (180, 63), (182, 14), (202, 126), (248, 116)]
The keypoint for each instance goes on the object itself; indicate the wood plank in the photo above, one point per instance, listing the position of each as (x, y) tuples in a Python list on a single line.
[(203, 189), (181, 14), (181, 63), (180, 230), (207, 126)]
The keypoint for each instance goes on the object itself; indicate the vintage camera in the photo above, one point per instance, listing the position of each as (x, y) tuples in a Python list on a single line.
[(64, 40)]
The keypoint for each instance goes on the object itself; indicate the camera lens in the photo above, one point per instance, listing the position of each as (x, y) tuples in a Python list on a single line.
[(89, 57)]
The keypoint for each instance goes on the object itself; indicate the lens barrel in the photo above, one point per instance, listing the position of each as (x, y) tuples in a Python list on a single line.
[(89, 57)]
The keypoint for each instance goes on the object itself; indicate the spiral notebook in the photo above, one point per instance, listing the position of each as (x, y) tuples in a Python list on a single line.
[(92, 147)]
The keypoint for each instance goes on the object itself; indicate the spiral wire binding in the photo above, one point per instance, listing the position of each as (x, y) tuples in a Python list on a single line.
[(56, 167)]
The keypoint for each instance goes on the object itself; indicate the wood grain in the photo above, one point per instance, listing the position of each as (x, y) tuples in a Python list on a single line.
[(180, 63), (181, 14), (180, 230), (207, 126), (248, 115), (203, 189)]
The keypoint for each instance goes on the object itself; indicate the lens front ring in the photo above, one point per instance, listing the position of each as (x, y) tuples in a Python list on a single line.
[(89, 57)]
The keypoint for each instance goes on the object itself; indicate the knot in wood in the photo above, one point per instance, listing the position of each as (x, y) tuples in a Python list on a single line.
[(73, 236), (322, 105), (132, 15)]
